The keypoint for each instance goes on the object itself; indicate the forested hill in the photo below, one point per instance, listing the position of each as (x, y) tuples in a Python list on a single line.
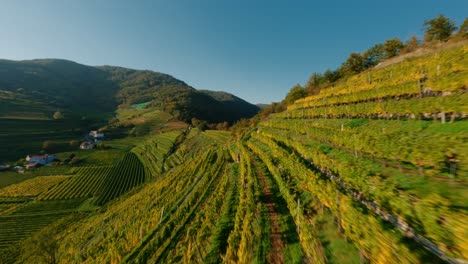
[(59, 83), (76, 88)]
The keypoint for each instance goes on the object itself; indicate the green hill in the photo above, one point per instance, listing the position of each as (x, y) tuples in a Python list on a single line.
[(36, 88), (32, 91)]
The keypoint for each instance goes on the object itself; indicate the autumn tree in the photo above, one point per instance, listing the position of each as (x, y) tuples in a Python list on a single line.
[(392, 47), (374, 55), (295, 93), (439, 28), (332, 76), (313, 84), (411, 45), (355, 63), (463, 30), (201, 124)]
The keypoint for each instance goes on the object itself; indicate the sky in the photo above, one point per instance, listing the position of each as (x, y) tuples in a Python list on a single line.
[(256, 50)]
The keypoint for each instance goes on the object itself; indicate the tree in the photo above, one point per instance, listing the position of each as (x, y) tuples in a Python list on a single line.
[(201, 124), (411, 45), (75, 160), (222, 126), (463, 31), (355, 63), (392, 47), (58, 115), (374, 55), (113, 121), (332, 76), (439, 28), (295, 93), (313, 84)]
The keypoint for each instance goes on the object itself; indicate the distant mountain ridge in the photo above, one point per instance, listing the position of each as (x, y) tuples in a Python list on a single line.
[(63, 84)]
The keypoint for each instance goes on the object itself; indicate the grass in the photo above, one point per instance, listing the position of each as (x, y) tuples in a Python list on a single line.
[(94, 157), (292, 251), (18, 106), (140, 106), (337, 248), (9, 177)]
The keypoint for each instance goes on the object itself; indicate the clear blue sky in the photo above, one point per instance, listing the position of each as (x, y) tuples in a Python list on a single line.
[(255, 49)]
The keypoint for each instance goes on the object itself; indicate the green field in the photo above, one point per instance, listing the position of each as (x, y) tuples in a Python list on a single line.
[(21, 137)]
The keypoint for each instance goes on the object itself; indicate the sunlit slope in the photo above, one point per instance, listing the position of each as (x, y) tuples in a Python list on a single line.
[(422, 87), (381, 153), (365, 171)]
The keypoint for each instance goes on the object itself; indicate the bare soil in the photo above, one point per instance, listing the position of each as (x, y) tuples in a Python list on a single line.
[(277, 244)]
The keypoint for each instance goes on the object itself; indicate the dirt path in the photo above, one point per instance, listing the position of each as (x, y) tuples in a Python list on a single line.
[(277, 244)]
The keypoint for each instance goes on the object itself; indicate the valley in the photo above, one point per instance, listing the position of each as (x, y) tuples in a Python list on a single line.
[(369, 168)]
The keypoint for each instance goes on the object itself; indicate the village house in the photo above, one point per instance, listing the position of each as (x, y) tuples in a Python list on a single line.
[(32, 165), (87, 145), (96, 136), (19, 169), (40, 159)]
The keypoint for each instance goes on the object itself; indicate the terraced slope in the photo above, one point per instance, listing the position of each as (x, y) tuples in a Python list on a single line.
[(381, 154), (372, 170)]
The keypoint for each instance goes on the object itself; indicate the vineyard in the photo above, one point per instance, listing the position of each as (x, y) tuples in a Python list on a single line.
[(18, 136), (32, 187), (371, 170), (31, 217), (220, 136), (154, 151), (127, 174), (366, 145), (87, 182)]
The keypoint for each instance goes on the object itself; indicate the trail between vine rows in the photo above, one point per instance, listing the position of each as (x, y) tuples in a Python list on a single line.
[(277, 244)]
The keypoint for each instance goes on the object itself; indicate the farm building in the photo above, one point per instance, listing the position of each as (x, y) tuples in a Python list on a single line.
[(41, 159), (19, 169), (87, 145), (32, 165), (96, 135)]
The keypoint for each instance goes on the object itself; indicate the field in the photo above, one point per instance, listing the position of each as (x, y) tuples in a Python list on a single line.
[(32, 217), (21, 137), (32, 187), (87, 182), (18, 106), (10, 177), (154, 151)]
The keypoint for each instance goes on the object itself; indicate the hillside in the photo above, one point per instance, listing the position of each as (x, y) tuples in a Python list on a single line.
[(88, 97), (37, 88), (371, 170), (58, 83)]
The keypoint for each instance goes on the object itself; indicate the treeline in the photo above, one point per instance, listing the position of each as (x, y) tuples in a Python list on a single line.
[(438, 29)]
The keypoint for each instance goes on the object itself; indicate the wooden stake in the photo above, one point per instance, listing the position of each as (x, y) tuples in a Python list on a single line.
[(162, 212), (298, 219)]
